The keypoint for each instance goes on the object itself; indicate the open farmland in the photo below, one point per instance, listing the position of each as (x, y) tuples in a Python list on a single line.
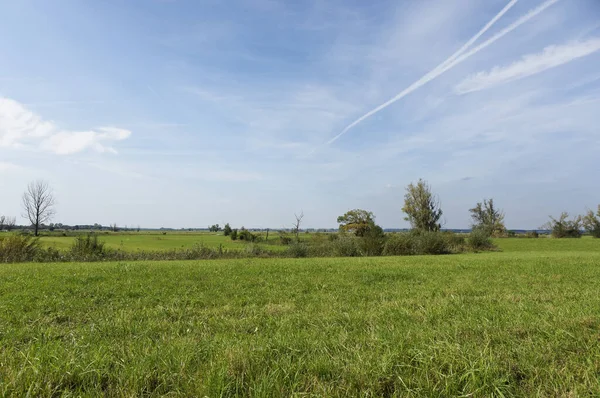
[(509, 323), (156, 240)]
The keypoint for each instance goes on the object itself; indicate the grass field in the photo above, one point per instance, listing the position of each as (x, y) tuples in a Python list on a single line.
[(522, 322), (154, 241)]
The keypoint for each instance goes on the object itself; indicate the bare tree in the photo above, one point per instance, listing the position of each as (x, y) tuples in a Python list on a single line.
[(38, 204), (296, 225), (2, 221), (10, 223)]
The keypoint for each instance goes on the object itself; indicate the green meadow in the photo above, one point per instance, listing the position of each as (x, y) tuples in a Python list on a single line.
[(152, 240), (521, 322)]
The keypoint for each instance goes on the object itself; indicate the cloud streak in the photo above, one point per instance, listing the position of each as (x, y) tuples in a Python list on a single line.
[(529, 65), (453, 60), (21, 129)]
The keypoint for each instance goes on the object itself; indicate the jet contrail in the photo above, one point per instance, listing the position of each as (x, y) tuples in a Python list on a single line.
[(454, 59)]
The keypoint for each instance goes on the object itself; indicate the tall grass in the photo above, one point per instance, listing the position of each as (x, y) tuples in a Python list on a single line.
[(372, 327)]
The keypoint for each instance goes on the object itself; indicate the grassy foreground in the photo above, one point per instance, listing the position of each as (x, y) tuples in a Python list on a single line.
[(493, 324)]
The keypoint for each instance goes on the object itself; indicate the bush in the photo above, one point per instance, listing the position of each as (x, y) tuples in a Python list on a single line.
[(256, 251), (18, 248), (563, 227), (479, 240), (284, 238), (399, 244), (87, 247), (297, 250), (431, 242), (455, 243), (234, 234), (346, 246), (373, 241)]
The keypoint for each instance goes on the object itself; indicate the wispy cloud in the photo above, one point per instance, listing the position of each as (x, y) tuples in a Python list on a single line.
[(529, 65), (21, 128), (456, 58)]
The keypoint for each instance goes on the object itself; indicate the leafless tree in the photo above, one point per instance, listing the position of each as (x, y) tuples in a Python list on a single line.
[(38, 204), (296, 227), (10, 223), (2, 221)]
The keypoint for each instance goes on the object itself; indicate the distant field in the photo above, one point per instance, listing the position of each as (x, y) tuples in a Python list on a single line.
[(547, 244), (155, 240), (514, 323)]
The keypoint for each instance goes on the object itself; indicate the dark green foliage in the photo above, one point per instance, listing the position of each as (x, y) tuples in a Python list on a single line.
[(214, 228), (18, 248), (227, 230), (297, 250), (372, 241), (399, 244), (422, 207), (357, 221), (87, 247), (284, 238), (591, 223), (487, 217), (234, 234), (479, 240), (563, 227), (346, 246), (431, 242), (423, 243)]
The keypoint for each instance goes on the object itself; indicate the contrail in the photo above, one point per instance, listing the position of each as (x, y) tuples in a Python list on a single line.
[(454, 59)]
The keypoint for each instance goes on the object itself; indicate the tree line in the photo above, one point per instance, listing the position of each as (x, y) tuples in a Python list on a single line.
[(422, 209)]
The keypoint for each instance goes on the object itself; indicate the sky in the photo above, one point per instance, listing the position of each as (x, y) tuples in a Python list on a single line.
[(173, 113)]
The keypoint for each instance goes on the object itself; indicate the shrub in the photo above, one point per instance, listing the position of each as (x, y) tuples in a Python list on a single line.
[(563, 227), (284, 238), (479, 240), (234, 234), (346, 246), (87, 247), (431, 242), (591, 223), (455, 243), (256, 250), (372, 242), (18, 248), (297, 250), (399, 244)]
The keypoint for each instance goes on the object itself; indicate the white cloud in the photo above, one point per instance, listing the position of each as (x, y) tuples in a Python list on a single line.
[(21, 128), (530, 64)]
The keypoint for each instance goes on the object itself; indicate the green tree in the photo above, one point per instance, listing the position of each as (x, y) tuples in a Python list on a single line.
[(357, 221), (422, 207), (591, 223), (563, 227), (227, 230), (234, 234), (488, 218)]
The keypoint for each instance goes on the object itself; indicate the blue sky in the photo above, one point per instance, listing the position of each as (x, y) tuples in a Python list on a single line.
[(187, 113)]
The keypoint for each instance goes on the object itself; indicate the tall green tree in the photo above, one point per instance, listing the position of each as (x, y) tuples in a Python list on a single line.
[(422, 207), (488, 218), (227, 230)]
